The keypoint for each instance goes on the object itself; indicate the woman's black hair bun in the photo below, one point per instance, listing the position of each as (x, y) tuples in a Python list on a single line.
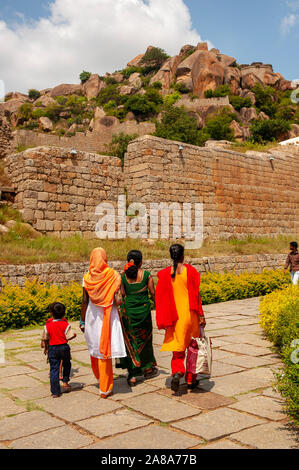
[(134, 256)]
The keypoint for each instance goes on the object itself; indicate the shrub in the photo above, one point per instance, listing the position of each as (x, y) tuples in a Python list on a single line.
[(218, 125), (119, 145), (265, 99), (130, 70), (53, 111), (157, 85), (177, 125), (76, 104), (169, 100), (145, 106), (84, 76), (155, 56), (110, 93), (21, 307), (269, 130), (181, 87), (25, 111), (280, 320), (238, 102), (33, 94), (221, 90)]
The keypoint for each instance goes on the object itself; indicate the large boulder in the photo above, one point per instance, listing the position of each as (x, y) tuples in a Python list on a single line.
[(135, 81), (93, 86), (232, 77), (294, 132), (167, 73), (248, 94), (65, 89), (127, 90), (44, 101), (237, 130), (136, 61), (14, 95), (248, 114), (13, 105), (201, 71), (45, 124)]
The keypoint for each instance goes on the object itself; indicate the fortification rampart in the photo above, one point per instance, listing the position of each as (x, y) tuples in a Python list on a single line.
[(242, 194)]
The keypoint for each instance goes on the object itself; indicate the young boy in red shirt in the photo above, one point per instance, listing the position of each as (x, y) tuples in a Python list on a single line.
[(55, 337)]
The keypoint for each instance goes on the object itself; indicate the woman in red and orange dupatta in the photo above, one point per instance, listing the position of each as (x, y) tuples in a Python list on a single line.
[(100, 319), (179, 312)]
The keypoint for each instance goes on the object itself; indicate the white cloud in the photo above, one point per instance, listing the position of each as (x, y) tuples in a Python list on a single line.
[(291, 19), (95, 35)]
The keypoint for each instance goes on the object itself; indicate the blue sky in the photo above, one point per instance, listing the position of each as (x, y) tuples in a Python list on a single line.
[(45, 42)]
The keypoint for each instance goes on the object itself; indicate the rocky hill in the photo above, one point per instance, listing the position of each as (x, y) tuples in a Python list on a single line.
[(211, 87)]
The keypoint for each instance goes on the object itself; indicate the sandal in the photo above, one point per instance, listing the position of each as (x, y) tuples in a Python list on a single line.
[(66, 388), (131, 381), (106, 396), (151, 373), (193, 385)]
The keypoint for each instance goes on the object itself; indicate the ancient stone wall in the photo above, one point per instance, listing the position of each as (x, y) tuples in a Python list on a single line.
[(242, 194), (96, 141), (5, 137), (58, 192), (64, 273)]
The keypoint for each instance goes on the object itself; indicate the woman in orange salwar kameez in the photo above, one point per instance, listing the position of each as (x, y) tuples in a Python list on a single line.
[(179, 312), (100, 319)]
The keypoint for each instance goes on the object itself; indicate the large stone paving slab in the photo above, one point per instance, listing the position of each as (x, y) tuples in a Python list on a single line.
[(115, 423), (121, 389), (10, 371), (217, 423), (269, 436), (31, 393), (75, 406), (248, 349), (265, 407), (222, 444), (250, 338), (248, 362), (81, 356), (234, 384), (200, 399), (9, 407), (18, 381), (220, 368), (160, 407), (64, 437), (150, 437), (25, 424), (32, 356)]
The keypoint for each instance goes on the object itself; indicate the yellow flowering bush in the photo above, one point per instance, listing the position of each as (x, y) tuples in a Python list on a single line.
[(231, 286), (28, 305), (280, 320), (273, 304)]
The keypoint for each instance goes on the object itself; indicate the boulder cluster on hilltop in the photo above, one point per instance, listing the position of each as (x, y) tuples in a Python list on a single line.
[(195, 96)]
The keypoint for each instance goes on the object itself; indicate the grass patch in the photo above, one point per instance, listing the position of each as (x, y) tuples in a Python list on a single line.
[(18, 248), (242, 147)]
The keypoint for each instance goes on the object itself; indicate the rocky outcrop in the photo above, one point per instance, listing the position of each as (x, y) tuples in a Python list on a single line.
[(167, 73), (248, 114), (65, 90), (45, 124), (44, 101), (93, 86)]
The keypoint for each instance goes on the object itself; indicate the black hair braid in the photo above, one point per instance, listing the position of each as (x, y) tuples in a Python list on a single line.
[(136, 257), (177, 255)]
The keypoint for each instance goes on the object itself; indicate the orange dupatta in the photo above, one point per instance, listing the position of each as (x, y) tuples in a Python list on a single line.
[(101, 283)]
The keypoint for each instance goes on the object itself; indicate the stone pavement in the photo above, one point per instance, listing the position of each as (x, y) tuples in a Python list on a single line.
[(237, 408)]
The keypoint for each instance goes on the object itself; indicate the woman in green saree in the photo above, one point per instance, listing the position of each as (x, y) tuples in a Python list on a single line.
[(137, 320)]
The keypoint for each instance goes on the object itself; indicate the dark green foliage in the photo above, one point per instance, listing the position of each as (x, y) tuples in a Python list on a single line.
[(145, 106), (110, 93), (52, 112), (25, 111), (157, 85), (119, 145), (221, 90), (155, 56), (181, 87), (177, 125), (265, 99), (269, 130), (218, 125), (33, 94), (238, 102), (84, 76), (130, 70)]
